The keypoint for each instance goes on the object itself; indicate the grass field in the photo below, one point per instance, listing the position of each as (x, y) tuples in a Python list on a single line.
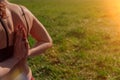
[(86, 36)]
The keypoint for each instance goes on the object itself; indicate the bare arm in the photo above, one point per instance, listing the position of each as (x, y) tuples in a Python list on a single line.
[(44, 40), (20, 52), (7, 65)]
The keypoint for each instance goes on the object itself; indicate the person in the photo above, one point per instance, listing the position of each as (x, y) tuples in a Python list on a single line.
[(16, 23)]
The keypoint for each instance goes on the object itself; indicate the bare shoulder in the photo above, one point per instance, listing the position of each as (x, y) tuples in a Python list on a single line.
[(17, 10), (13, 7), (28, 15), (27, 12)]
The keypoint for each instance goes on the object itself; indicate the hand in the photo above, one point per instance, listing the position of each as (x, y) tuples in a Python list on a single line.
[(21, 46)]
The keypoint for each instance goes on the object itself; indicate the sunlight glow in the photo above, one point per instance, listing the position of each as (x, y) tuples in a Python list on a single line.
[(113, 10)]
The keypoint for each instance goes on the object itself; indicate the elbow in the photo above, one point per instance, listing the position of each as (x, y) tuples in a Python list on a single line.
[(50, 43)]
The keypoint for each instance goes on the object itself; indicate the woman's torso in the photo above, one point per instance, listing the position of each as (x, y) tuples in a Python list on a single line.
[(14, 19)]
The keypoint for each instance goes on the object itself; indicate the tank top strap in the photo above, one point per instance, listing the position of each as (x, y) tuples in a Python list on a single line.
[(24, 15)]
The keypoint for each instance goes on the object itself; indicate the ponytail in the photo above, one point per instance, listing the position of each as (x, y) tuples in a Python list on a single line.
[(3, 14)]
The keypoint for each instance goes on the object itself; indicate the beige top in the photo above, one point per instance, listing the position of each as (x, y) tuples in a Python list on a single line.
[(37, 31), (15, 18)]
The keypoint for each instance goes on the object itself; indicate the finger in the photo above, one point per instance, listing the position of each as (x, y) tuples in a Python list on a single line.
[(18, 38), (20, 33), (24, 49), (24, 34), (15, 33), (27, 44)]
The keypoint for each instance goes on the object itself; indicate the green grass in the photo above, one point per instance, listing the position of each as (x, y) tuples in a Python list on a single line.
[(86, 40)]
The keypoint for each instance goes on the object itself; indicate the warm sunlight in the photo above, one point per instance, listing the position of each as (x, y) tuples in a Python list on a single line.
[(113, 10)]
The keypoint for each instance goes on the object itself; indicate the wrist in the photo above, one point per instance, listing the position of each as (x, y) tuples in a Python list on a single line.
[(29, 52)]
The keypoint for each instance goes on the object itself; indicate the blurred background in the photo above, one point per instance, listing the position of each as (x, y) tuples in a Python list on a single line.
[(86, 37)]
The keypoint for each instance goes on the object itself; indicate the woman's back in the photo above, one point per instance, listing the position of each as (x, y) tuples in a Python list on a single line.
[(9, 28), (20, 17), (14, 18)]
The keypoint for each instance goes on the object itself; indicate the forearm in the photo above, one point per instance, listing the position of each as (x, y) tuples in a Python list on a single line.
[(39, 48), (7, 65)]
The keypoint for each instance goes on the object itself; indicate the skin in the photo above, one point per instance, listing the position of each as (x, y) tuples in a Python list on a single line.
[(22, 51)]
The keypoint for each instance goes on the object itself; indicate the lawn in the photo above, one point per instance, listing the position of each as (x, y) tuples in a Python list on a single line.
[(86, 37)]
